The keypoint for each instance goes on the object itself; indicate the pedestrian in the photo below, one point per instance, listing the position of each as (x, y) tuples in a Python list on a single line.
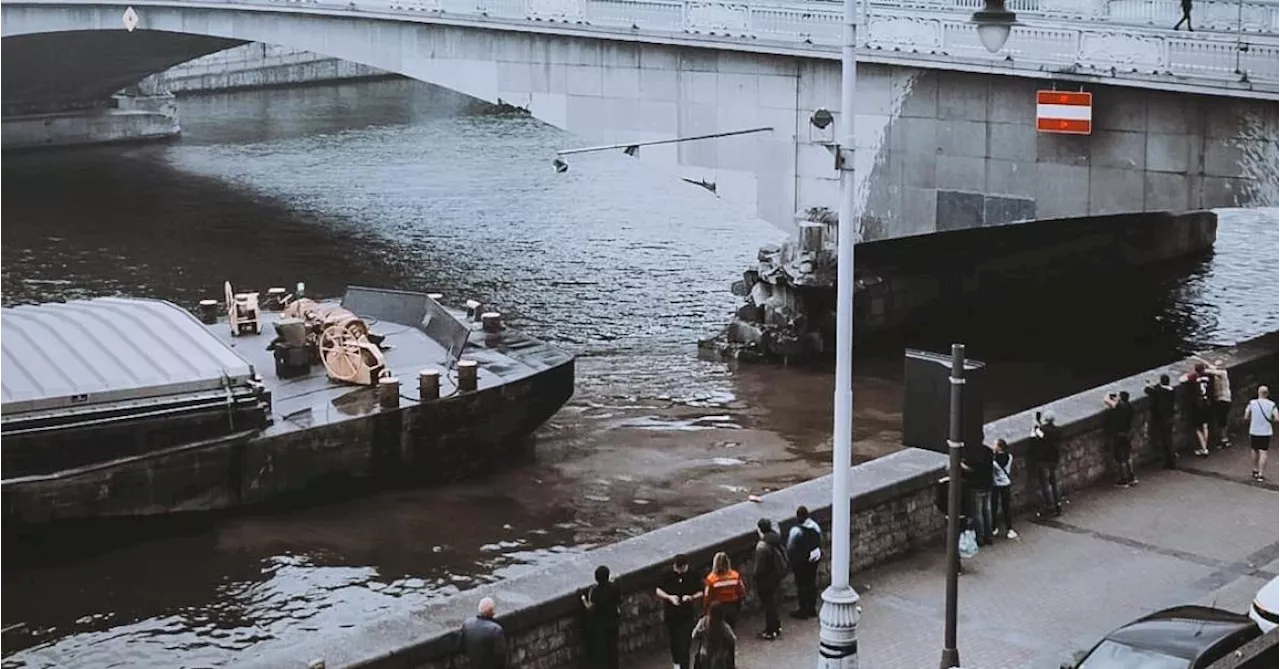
[(1220, 407), (680, 592), (770, 569), (482, 639), (1002, 488), (1186, 16), (979, 475), (724, 586), (714, 644), (1045, 446), (1261, 414), (1160, 424), (602, 602), (1117, 421), (1199, 396), (942, 500), (804, 548)]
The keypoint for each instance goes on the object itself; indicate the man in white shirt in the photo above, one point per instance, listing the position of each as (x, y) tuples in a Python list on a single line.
[(1261, 414)]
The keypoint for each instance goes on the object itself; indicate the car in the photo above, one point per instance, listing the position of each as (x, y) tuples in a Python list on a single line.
[(1265, 606), (1183, 637)]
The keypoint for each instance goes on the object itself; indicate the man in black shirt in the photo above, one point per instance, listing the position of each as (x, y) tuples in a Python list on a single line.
[(602, 602), (1046, 440), (979, 470), (1118, 421), (680, 592), (1160, 427)]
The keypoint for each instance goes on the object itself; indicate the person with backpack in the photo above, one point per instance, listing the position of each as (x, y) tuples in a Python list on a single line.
[(1002, 485), (804, 549), (771, 567), (1262, 417)]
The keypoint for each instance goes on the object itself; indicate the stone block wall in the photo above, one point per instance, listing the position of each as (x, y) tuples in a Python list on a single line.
[(1086, 454)]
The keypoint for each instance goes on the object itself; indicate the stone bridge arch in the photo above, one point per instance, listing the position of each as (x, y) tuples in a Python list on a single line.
[(601, 90)]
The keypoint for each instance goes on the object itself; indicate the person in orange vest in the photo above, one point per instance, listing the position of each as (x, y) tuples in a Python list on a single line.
[(725, 586)]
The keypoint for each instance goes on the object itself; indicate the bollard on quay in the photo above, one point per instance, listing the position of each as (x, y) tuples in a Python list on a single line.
[(389, 392), (428, 384), (468, 376), (491, 322), (208, 312), (474, 307)]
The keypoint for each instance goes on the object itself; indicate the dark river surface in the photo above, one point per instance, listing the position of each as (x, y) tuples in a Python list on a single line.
[(400, 185)]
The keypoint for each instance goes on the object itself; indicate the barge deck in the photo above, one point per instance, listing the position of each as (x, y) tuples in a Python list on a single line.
[(313, 436)]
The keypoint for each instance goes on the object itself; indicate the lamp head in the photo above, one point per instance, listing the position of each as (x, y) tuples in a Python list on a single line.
[(994, 23), (560, 165)]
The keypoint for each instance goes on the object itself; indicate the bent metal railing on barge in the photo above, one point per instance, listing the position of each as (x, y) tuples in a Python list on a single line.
[(1088, 40)]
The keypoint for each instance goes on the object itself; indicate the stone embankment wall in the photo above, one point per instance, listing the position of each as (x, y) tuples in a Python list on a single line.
[(261, 66), (893, 513), (1086, 454), (917, 276), (122, 119)]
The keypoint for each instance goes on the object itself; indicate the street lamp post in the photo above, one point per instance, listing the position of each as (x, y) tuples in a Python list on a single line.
[(955, 445), (838, 620), (838, 634)]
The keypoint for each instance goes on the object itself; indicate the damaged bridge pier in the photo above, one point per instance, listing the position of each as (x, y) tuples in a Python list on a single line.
[(788, 310)]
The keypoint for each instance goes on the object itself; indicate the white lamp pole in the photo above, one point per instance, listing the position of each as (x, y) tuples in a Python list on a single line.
[(838, 635)]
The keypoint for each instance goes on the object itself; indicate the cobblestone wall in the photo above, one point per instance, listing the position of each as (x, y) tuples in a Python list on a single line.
[(1086, 455)]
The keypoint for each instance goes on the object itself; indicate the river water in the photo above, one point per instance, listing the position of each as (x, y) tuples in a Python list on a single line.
[(397, 184)]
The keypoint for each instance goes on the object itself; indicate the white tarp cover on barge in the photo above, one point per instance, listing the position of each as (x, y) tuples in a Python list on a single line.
[(81, 355)]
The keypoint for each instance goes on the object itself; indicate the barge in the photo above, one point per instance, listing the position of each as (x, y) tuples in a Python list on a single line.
[(120, 408)]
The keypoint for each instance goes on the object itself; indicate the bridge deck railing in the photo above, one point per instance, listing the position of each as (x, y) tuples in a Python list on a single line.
[(1057, 45)]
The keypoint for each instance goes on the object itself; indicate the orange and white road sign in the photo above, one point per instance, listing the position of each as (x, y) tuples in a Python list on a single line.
[(1064, 112)]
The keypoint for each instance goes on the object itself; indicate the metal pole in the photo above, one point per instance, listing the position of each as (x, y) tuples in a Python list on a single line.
[(838, 632), (955, 444)]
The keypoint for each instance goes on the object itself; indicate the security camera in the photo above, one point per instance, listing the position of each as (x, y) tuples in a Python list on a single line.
[(821, 118), (560, 164)]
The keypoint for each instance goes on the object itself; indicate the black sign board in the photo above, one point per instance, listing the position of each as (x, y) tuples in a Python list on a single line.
[(926, 406)]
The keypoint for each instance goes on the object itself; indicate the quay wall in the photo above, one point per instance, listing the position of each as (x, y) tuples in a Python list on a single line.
[(124, 119), (918, 275), (261, 66), (893, 514)]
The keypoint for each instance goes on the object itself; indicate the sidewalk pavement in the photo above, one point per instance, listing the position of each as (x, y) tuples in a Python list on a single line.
[(1204, 534)]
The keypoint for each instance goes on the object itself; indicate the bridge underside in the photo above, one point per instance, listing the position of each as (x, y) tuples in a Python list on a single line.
[(937, 149), (90, 65)]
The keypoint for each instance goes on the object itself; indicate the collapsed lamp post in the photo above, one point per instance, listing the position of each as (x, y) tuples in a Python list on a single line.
[(633, 148)]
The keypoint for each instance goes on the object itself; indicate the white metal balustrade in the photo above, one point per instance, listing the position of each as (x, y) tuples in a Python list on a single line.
[(930, 29), (923, 33)]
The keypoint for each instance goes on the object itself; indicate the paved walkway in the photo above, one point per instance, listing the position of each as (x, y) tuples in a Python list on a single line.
[(1203, 535)]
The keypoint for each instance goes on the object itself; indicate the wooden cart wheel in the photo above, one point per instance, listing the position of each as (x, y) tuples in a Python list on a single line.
[(341, 354)]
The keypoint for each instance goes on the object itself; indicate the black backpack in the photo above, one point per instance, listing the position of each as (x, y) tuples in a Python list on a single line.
[(805, 542)]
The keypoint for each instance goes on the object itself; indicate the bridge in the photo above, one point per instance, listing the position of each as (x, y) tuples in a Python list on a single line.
[(947, 138)]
